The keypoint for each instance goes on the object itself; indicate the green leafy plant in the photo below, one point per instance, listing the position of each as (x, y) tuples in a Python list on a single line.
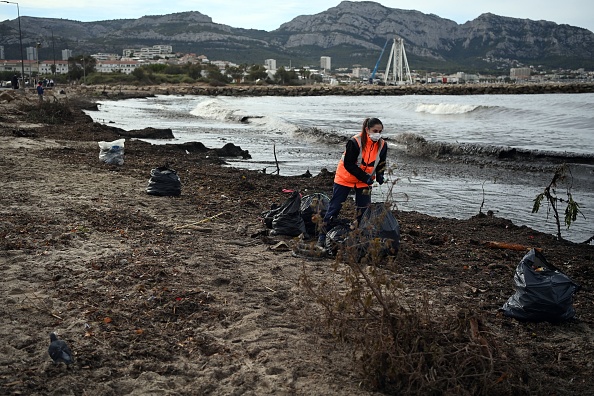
[(572, 209)]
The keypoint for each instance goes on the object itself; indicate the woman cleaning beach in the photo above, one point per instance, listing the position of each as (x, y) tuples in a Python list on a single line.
[(362, 163)]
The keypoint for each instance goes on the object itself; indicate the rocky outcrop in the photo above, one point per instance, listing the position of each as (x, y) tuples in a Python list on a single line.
[(367, 25), (372, 23), (148, 133), (524, 38)]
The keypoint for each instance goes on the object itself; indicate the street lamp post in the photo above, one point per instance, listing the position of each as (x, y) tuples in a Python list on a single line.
[(37, 53), (53, 48), (20, 40), (54, 51)]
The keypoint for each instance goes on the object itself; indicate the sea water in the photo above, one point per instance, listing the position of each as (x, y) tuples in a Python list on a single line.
[(307, 134)]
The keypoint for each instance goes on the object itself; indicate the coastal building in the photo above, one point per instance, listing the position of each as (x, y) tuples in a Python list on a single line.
[(156, 51), (45, 67), (184, 59), (66, 54), (270, 64), (466, 77), (117, 66), (29, 66), (223, 65), (361, 72), (31, 53), (103, 57), (520, 73), (325, 63)]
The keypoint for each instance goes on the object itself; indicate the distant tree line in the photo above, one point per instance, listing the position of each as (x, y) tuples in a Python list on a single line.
[(84, 68)]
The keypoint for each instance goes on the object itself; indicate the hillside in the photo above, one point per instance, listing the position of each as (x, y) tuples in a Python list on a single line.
[(351, 33)]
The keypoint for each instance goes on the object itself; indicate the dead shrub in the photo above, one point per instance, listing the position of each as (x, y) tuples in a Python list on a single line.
[(406, 341), (48, 112)]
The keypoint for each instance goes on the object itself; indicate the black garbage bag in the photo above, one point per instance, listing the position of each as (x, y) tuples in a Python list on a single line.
[(313, 204), (379, 224), (164, 182), (268, 216), (543, 293), (378, 235), (337, 238), (286, 219)]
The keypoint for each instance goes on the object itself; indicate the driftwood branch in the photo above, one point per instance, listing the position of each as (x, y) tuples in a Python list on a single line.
[(276, 160), (200, 222)]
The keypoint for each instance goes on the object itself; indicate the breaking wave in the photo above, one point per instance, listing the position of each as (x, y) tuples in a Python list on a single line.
[(447, 108), (321, 135), (213, 109), (216, 109), (418, 146)]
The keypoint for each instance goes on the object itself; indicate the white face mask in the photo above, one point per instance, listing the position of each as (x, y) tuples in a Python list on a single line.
[(375, 136)]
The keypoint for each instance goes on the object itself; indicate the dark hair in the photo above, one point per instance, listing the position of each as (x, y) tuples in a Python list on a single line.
[(368, 123)]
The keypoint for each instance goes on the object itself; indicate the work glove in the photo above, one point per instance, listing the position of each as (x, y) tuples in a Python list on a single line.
[(369, 181), (379, 179), (380, 167)]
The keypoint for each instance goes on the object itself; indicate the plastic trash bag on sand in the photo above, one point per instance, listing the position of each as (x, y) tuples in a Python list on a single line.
[(543, 293), (112, 152), (312, 206), (164, 182), (286, 219), (378, 223), (378, 235)]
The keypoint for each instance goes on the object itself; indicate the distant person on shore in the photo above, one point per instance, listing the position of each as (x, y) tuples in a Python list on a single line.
[(40, 91), (14, 82), (362, 163)]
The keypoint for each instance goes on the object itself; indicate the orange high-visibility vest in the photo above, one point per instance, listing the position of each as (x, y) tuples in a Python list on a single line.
[(372, 152)]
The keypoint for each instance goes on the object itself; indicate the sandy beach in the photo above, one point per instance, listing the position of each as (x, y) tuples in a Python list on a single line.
[(190, 295)]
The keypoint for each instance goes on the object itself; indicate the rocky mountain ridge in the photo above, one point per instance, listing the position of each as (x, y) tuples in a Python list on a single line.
[(351, 33)]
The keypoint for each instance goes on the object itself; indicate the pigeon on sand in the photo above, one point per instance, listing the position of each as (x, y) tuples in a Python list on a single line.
[(59, 350)]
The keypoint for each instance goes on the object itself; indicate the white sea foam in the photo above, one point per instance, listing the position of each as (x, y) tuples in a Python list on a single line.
[(221, 110), (213, 109), (445, 108)]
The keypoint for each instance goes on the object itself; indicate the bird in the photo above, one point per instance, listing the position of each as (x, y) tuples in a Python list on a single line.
[(59, 351)]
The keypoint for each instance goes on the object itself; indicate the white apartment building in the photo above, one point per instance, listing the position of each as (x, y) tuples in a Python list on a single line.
[(361, 72), (222, 65), (325, 63), (66, 54), (45, 67), (102, 56), (520, 73), (33, 67), (469, 78), (160, 51), (270, 64), (164, 49), (117, 66), (31, 53)]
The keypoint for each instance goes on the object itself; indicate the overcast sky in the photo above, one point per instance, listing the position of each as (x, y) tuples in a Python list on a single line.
[(270, 14)]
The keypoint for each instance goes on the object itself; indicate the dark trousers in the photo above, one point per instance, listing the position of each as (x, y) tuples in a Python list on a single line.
[(339, 195)]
